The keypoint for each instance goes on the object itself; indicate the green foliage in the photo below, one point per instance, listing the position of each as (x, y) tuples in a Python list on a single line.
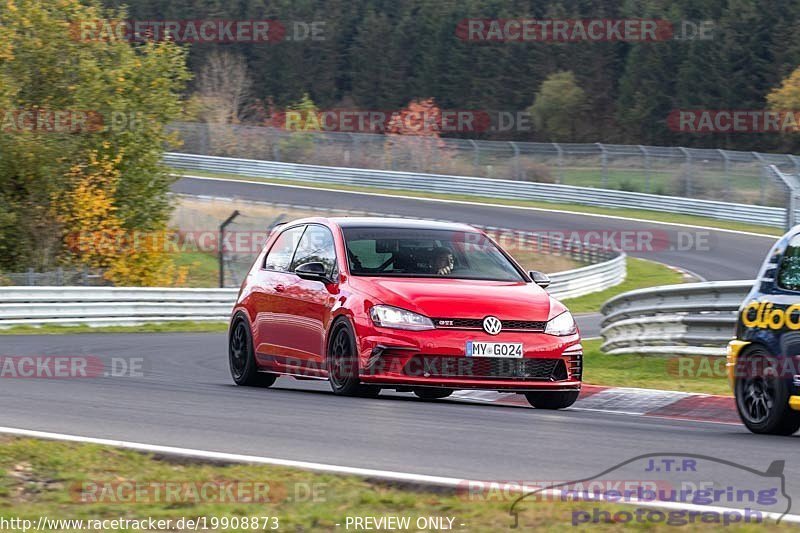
[(303, 117), (558, 106), (127, 94), (379, 54)]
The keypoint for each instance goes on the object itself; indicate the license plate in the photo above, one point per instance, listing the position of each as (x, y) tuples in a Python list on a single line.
[(509, 350)]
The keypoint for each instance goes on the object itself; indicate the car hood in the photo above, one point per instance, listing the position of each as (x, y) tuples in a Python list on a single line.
[(460, 298)]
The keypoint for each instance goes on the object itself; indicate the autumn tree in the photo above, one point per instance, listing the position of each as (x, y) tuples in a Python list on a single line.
[(118, 98), (223, 87), (300, 119), (558, 106), (415, 131), (787, 96), (94, 233)]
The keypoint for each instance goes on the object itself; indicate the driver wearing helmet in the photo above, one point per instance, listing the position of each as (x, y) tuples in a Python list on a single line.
[(443, 261)]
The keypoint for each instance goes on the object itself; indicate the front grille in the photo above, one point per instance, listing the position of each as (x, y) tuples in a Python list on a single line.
[(458, 323), (485, 367), (477, 323), (524, 325)]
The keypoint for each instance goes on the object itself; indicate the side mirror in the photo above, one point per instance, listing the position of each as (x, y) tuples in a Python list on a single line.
[(314, 271), (540, 278)]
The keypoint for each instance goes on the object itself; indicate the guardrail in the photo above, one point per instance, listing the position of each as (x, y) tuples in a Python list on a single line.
[(486, 187), (687, 319), (109, 306), (588, 279), (709, 174)]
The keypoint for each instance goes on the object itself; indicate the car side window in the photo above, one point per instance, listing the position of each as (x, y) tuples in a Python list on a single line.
[(316, 246), (789, 271), (280, 255)]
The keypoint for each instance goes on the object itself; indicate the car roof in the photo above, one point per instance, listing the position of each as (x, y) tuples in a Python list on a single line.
[(398, 223)]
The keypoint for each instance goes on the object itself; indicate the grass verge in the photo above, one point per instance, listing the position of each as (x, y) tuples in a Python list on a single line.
[(641, 273), (641, 214), (202, 268), (50, 479), (700, 374)]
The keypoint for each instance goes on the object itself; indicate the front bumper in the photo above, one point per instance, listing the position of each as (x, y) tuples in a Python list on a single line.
[(734, 349), (437, 358)]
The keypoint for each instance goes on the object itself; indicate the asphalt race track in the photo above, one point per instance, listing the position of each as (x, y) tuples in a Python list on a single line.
[(184, 396), (722, 255)]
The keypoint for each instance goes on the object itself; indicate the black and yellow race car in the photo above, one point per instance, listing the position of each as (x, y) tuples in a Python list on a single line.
[(764, 358)]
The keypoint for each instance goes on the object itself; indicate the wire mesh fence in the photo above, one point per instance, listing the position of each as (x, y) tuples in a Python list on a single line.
[(726, 175), (53, 278)]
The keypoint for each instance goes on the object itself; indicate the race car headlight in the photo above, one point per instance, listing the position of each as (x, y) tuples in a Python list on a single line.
[(387, 316), (561, 325)]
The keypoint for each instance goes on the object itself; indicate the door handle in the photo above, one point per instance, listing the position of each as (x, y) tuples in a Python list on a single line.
[(279, 288)]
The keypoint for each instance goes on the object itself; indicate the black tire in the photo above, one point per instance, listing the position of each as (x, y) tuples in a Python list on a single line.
[(762, 395), (342, 363), (432, 393), (552, 400), (242, 359)]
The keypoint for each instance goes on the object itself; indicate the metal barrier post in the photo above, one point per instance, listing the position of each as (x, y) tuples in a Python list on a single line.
[(222, 247), (792, 183), (726, 165), (604, 163), (560, 162), (516, 172), (476, 155), (687, 173), (646, 168)]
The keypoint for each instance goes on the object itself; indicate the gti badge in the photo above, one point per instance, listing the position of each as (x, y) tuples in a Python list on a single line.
[(492, 325)]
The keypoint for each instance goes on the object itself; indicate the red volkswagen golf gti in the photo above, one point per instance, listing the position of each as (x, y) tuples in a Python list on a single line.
[(414, 306)]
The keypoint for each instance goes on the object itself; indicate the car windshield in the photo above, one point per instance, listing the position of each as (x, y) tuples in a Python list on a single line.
[(411, 252)]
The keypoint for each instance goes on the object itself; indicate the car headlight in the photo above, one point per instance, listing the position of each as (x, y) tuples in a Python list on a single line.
[(387, 316), (561, 325)]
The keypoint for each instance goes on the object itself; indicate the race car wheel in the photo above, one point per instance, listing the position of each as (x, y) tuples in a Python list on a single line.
[(762, 395), (342, 362), (432, 393), (242, 360), (552, 400)]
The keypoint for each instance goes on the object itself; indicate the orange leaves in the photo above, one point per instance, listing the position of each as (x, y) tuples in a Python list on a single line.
[(94, 234), (419, 117)]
